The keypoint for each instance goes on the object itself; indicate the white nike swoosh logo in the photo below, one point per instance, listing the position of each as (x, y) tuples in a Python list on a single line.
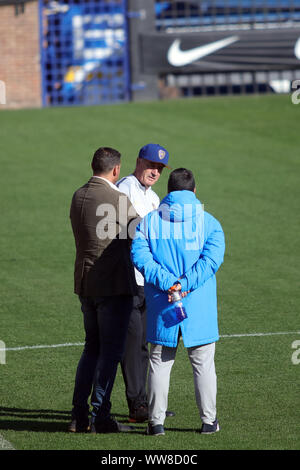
[(297, 49), (178, 58)]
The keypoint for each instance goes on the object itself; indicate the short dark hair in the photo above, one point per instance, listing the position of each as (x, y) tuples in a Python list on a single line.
[(105, 159), (181, 179)]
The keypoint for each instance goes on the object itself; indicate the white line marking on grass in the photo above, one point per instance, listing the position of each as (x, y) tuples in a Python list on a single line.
[(43, 346), (63, 345), (261, 334), (5, 445)]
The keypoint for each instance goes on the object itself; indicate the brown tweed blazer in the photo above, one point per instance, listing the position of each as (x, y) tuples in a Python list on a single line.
[(102, 266)]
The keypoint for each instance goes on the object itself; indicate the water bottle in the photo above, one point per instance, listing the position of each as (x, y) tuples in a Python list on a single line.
[(177, 311)]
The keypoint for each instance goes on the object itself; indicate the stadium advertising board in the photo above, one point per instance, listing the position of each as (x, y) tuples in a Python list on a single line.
[(230, 50)]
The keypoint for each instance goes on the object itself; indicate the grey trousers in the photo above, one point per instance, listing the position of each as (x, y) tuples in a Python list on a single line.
[(205, 381)]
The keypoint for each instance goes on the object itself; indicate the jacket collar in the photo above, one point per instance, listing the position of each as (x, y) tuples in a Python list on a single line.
[(100, 180)]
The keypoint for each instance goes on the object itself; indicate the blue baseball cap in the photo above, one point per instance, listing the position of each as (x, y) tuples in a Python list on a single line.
[(155, 153)]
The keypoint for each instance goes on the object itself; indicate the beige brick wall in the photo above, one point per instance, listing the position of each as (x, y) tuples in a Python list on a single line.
[(20, 56)]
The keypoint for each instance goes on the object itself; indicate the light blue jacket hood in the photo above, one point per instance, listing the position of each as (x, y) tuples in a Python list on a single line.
[(179, 206)]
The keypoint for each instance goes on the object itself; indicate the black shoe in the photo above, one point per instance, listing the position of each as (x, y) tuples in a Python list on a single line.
[(210, 428), (110, 425), (138, 414), (155, 430), (169, 414), (79, 426)]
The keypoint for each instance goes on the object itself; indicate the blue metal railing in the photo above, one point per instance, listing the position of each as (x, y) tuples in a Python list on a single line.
[(84, 52)]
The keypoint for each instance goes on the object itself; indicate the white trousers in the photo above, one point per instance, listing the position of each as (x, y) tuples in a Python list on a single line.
[(205, 381)]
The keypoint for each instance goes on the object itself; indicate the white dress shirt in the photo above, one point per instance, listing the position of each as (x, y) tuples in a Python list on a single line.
[(112, 185), (144, 200)]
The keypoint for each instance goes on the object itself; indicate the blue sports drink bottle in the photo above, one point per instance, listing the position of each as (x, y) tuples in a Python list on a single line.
[(177, 311)]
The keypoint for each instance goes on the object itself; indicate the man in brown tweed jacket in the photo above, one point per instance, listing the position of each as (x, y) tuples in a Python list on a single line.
[(102, 218)]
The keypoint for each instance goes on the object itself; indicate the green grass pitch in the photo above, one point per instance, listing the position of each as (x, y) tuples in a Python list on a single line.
[(244, 152)]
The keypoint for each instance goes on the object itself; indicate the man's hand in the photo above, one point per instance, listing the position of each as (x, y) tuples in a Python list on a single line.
[(176, 287)]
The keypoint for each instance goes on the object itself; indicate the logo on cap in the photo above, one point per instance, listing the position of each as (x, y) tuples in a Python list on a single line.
[(161, 154)]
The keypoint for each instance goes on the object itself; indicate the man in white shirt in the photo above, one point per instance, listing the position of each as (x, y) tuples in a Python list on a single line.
[(138, 187)]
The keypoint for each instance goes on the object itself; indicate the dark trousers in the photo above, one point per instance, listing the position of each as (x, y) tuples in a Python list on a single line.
[(136, 357), (106, 323)]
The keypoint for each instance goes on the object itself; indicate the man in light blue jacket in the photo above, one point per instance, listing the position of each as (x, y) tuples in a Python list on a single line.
[(180, 245)]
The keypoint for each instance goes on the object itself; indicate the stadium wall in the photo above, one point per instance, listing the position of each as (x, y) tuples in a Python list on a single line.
[(20, 56)]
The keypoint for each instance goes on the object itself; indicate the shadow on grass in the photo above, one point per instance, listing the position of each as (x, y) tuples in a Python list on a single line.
[(31, 413), (47, 420), (20, 419), (44, 420)]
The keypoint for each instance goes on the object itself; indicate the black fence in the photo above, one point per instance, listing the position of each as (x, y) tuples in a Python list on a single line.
[(214, 13)]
